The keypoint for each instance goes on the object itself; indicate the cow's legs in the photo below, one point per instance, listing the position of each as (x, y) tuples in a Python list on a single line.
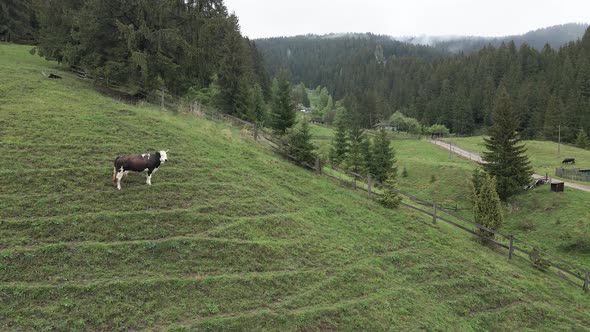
[(120, 175), (148, 179)]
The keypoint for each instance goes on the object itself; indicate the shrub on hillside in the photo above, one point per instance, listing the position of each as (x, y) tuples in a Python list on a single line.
[(487, 207), (390, 198), (297, 144)]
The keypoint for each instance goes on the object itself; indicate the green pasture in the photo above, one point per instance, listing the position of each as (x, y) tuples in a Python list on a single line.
[(229, 236)]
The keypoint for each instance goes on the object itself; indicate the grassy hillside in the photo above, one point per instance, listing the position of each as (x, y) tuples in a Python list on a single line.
[(227, 237)]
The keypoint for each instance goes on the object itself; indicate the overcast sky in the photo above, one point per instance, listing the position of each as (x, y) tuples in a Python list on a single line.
[(271, 18)]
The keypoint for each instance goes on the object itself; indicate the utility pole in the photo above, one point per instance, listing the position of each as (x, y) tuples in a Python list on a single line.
[(450, 148), (558, 140)]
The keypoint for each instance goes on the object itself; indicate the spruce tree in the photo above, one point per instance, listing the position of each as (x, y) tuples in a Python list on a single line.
[(506, 157), (339, 142), (487, 209), (283, 108), (355, 160), (234, 95), (405, 173), (383, 162), (298, 143)]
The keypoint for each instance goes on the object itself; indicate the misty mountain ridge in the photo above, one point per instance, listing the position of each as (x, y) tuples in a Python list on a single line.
[(556, 36)]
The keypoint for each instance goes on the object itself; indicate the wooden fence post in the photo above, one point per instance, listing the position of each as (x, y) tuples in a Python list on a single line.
[(369, 185), (318, 168), (255, 131), (434, 213), (511, 247)]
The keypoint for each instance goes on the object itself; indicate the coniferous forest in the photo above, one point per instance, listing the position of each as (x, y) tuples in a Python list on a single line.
[(550, 88), (177, 46), (196, 48)]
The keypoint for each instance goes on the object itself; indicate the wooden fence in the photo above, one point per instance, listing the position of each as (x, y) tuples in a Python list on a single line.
[(573, 174), (542, 260)]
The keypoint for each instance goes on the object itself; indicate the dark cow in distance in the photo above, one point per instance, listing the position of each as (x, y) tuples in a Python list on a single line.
[(139, 163), (570, 161)]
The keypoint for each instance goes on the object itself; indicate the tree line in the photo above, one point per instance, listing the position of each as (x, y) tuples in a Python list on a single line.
[(193, 48), (550, 89)]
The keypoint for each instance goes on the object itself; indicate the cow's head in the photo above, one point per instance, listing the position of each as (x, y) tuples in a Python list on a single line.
[(163, 156)]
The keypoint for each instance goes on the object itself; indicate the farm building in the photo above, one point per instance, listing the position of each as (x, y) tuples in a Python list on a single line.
[(385, 125)]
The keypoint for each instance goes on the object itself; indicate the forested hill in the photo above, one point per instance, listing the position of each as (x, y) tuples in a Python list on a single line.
[(556, 36), (548, 88), (318, 60), (183, 47)]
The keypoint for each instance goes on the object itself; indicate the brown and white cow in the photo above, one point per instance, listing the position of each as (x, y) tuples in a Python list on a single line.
[(139, 163)]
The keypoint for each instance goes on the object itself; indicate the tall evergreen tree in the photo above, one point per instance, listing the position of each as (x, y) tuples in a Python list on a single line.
[(506, 158), (283, 108), (383, 157), (233, 96), (340, 144), (355, 160)]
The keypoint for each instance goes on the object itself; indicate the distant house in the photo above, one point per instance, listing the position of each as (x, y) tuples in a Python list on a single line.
[(306, 109), (317, 121), (385, 125)]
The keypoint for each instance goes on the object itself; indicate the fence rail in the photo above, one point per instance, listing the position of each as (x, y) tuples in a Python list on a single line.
[(570, 273), (573, 174)]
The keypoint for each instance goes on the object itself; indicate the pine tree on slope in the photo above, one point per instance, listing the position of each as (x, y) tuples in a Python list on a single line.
[(506, 158)]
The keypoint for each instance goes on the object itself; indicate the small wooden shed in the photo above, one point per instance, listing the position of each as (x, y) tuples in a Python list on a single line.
[(557, 186)]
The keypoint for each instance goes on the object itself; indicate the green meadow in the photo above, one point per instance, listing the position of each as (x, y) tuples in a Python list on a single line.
[(229, 236)]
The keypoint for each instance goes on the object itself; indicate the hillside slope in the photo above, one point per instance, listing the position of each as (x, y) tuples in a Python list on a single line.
[(227, 237)]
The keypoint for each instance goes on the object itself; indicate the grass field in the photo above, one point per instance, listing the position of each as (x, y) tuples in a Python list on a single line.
[(228, 237)]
